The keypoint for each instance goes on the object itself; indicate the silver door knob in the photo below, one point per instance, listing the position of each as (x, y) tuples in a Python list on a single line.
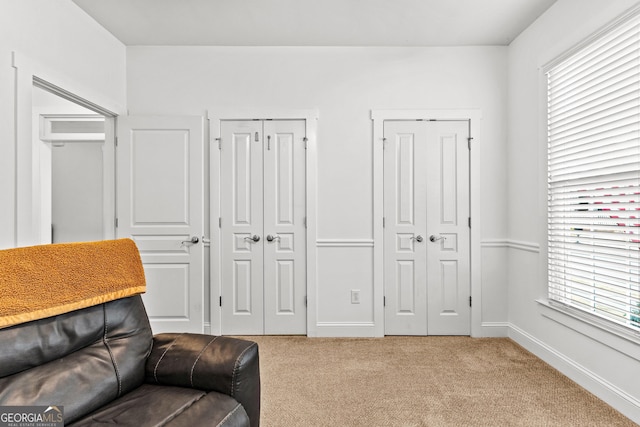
[(433, 238), (271, 238), (254, 238), (193, 240), (418, 238)]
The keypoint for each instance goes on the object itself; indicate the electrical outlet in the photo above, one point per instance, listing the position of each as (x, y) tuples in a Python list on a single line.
[(355, 296)]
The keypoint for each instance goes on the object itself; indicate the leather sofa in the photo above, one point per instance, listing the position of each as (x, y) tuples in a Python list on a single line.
[(102, 364)]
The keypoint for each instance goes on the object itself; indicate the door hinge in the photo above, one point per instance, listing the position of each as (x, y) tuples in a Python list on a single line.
[(220, 301), (469, 142), (115, 141), (384, 301), (469, 222), (219, 140), (116, 222), (219, 222), (305, 222), (384, 222), (305, 300), (306, 142), (469, 301), (384, 143)]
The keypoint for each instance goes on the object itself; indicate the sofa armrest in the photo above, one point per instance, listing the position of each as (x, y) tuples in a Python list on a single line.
[(211, 363)]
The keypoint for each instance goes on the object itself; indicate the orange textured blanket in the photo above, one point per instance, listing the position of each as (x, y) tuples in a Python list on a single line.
[(43, 281)]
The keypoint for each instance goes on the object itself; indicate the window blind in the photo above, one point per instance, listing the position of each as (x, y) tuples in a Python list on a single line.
[(594, 177)]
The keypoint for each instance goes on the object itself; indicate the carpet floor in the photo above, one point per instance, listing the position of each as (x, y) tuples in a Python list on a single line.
[(418, 381)]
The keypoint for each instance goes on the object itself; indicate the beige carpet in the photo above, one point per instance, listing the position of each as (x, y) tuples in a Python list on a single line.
[(418, 381)]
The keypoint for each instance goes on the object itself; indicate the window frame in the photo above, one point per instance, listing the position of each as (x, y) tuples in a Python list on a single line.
[(575, 318)]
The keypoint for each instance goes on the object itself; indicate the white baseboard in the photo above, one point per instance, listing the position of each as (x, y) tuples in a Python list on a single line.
[(494, 329), (345, 329), (367, 330), (623, 402)]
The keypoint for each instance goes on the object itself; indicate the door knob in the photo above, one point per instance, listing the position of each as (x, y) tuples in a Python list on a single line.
[(433, 238), (271, 238), (193, 240), (254, 238), (418, 238)]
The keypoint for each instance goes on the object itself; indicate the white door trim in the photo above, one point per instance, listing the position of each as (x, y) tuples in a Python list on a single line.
[(475, 118), (25, 204), (215, 116)]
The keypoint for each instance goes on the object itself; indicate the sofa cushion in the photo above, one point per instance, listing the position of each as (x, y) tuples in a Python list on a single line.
[(81, 360), (216, 408), (152, 405), (222, 364), (35, 343)]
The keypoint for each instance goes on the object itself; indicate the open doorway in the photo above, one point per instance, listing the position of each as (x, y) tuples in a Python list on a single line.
[(73, 170)]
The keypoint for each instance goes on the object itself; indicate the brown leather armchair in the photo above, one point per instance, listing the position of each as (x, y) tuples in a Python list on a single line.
[(102, 364)]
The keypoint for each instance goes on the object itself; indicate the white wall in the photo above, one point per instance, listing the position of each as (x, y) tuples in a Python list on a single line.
[(61, 43), (344, 85), (599, 361)]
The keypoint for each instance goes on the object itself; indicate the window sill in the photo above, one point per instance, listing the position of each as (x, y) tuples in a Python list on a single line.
[(618, 338)]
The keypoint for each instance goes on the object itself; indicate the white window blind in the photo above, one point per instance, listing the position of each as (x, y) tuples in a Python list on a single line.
[(594, 177)]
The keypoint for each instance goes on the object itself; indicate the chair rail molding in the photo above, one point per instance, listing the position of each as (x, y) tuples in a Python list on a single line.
[(347, 243), (511, 244)]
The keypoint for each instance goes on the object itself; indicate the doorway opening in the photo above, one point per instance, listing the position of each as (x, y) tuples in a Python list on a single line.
[(73, 168)]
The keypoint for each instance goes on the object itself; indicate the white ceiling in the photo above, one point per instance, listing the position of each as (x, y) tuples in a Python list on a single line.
[(315, 22)]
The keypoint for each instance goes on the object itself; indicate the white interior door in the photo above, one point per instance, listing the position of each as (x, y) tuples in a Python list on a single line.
[(285, 234), (405, 248), (262, 227), (241, 223), (448, 256), (160, 206), (426, 237)]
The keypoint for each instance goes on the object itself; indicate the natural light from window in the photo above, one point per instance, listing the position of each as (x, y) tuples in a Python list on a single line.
[(594, 177)]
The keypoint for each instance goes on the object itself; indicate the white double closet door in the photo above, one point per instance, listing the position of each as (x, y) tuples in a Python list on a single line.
[(263, 235), (426, 234)]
